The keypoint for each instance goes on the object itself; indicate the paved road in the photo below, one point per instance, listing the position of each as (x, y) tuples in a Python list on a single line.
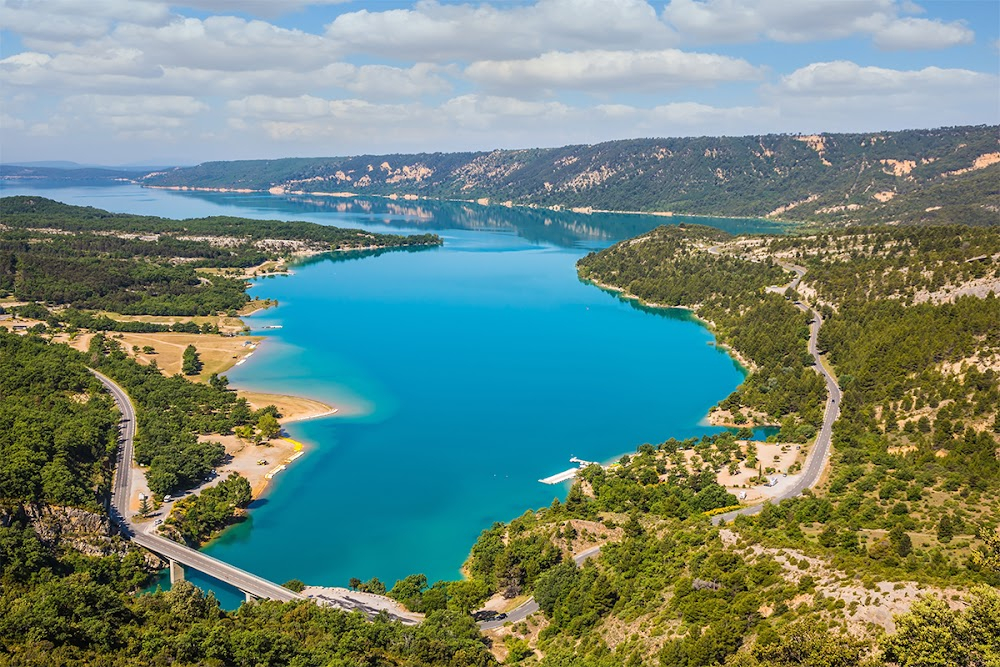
[(120, 489), (121, 495), (820, 452), (529, 607)]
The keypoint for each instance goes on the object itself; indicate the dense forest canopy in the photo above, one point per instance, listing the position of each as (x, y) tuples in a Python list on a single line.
[(59, 608), (57, 431), (145, 265)]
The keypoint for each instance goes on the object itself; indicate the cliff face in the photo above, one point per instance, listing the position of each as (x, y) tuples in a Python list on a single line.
[(910, 175), (87, 532)]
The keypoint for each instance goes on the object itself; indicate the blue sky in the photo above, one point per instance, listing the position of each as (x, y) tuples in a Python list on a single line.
[(127, 81)]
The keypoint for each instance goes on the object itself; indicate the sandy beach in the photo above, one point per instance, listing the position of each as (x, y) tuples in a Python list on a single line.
[(278, 453), (258, 463), (220, 354), (292, 408)]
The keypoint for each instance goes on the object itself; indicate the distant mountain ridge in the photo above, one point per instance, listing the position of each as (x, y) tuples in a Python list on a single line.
[(930, 176)]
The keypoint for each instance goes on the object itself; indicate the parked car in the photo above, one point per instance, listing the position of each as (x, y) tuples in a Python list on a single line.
[(486, 615)]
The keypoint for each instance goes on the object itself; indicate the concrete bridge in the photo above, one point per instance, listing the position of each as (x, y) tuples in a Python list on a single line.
[(178, 555)]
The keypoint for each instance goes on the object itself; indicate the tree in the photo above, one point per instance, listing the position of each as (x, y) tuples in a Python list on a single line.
[(554, 585), (932, 635), (354, 583), (801, 643), (244, 432), (901, 541), (517, 650), (945, 531), (269, 426), (829, 537), (989, 556), (217, 381), (373, 585), (408, 590), (632, 527), (191, 364), (144, 506), (294, 585), (466, 595)]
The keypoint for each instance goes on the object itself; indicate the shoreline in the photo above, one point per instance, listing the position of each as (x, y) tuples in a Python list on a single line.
[(558, 208), (293, 409), (745, 364)]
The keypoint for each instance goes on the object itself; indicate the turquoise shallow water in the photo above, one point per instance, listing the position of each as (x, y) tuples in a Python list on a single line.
[(464, 374)]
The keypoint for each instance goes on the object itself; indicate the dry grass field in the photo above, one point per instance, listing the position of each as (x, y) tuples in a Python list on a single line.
[(218, 354)]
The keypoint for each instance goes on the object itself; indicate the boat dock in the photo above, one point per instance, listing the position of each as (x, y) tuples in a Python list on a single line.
[(567, 474)]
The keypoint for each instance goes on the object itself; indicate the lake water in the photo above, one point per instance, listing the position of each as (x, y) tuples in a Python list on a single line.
[(463, 373)]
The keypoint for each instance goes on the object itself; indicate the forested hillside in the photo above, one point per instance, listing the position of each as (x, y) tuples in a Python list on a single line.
[(934, 176), (911, 501), (57, 429)]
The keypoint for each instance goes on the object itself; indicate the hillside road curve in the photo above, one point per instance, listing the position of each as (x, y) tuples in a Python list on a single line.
[(120, 496), (820, 452)]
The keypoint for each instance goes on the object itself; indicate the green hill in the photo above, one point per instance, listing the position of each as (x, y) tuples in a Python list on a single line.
[(911, 175)]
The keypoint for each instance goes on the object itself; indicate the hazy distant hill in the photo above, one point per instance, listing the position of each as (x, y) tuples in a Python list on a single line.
[(947, 174), (56, 172)]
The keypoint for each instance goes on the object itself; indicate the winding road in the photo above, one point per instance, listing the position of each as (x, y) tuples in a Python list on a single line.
[(820, 452)]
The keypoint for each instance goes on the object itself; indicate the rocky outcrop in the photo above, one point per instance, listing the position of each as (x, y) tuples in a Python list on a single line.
[(88, 532)]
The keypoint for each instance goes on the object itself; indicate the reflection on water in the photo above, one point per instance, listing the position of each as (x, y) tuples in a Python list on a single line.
[(539, 225), (562, 228)]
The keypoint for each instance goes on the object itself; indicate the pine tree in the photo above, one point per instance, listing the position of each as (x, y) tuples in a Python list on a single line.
[(269, 426), (945, 531), (192, 362), (901, 541)]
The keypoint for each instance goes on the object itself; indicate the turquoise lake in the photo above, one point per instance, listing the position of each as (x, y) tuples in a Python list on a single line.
[(464, 374)]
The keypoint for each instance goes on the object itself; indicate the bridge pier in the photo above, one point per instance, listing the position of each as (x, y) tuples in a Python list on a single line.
[(250, 597), (176, 572)]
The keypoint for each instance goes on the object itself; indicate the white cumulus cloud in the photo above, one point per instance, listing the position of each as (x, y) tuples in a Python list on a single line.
[(844, 96), (808, 20), (912, 34), (67, 21), (433, 31), (847, 79), (611, 70)]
